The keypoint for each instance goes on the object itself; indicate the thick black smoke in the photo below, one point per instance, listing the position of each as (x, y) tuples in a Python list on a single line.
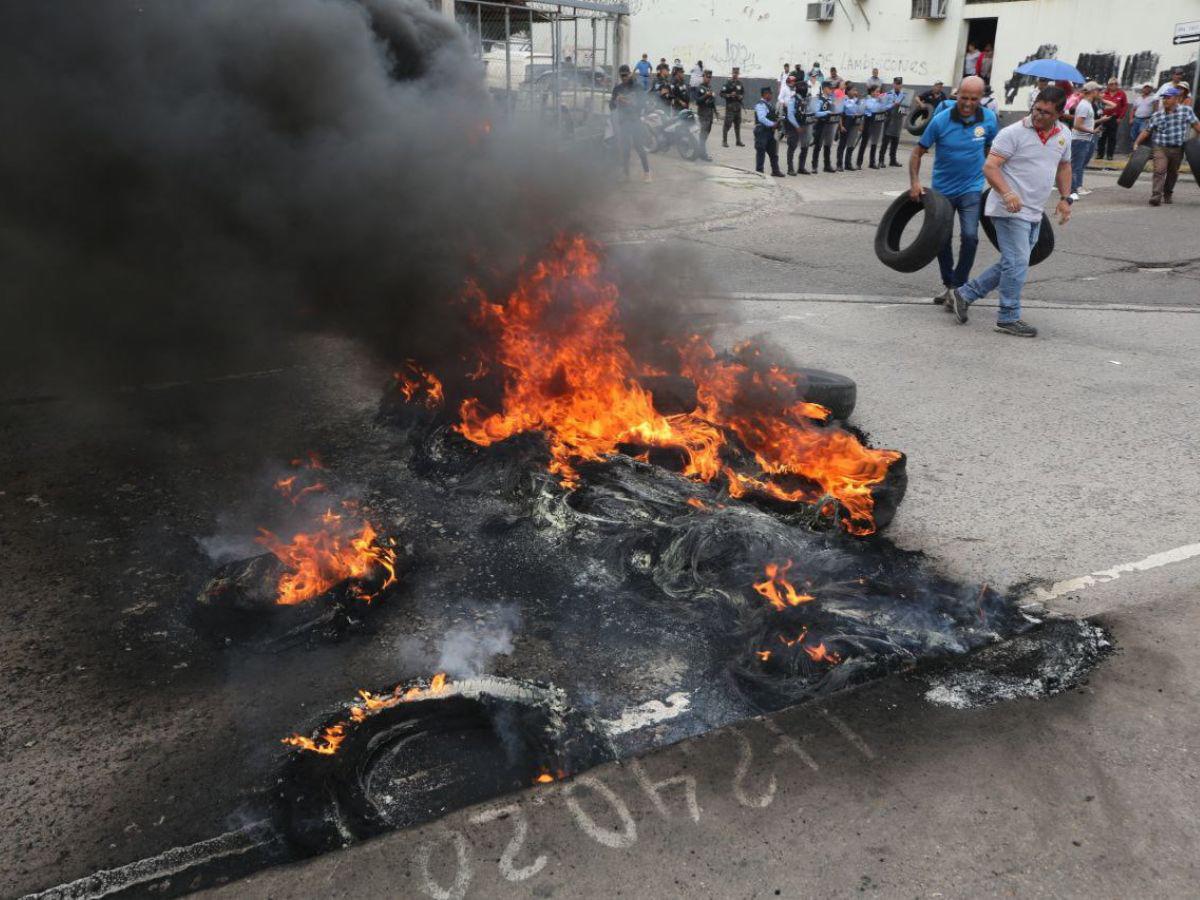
[(183, 184)]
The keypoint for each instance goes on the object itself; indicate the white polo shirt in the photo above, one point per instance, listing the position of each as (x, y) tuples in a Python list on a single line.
[(1030, 167)]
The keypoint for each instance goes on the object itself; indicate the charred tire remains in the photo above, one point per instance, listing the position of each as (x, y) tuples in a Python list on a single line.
[(1045, 242), (918, 121), (837, 393), (410, 763), (1138, 160), (936, 228), (1191, 152)]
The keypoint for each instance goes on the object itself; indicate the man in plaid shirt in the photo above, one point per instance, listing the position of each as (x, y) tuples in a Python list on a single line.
[(1169, 128)]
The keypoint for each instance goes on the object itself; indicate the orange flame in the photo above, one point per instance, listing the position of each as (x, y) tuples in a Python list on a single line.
[(568, 372), (316, 562), (367, 705), (414, 382), (778, 589), (326, 745), (820, 654)]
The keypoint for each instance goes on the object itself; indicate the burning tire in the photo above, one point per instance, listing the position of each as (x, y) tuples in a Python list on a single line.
[(1191, 150), (1136, 164), (936, 228), (837, 393), (918, 121), (400, 766), (1045, 242)]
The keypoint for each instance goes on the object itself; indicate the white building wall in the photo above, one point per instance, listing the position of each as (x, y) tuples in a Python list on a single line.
[(761, 35)]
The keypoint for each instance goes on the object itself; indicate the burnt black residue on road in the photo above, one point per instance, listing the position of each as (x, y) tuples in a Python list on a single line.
[(135, 733)]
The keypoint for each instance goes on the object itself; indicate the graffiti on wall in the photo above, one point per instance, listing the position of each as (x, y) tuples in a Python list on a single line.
[(1139, 68), (735, 54), (1016, 82), (1098, 66)]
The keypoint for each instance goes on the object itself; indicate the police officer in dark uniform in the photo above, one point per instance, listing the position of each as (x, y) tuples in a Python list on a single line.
[(824, 126), (680, 95), (706, 109), (661, 87), (734, 94), (765, 144), (795, 127), (897, 101)]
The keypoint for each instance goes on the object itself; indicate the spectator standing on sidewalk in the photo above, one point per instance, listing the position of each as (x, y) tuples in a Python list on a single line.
[(787, 71), (985, 64), (897, 102), (787, 93), (643, 69), (962, 135), (874, 81), (626, 107), (1175, 82), (1140, 111), (1027, 159), (1083, 134), (1167, 131), (1116, 103), (696, 75)]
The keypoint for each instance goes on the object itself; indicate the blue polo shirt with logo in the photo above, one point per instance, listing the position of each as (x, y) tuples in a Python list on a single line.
[(962, 146)]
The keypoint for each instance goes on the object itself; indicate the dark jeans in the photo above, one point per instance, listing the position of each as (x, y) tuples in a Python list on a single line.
[(1108, 140), (765, 146), (969, 208), (626, 143)]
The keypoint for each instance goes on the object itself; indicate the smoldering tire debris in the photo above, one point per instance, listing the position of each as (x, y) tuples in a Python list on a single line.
[(460, 744)]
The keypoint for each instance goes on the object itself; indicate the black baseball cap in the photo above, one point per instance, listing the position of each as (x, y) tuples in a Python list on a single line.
[(897, 80)]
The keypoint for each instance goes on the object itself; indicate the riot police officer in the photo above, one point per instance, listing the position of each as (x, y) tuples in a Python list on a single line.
[(680, 95), (706, 109), (874, 112), (661, 87), (734, 93), (765, 144), (849, 129), (796, 129), (898, 104), (824, 126)]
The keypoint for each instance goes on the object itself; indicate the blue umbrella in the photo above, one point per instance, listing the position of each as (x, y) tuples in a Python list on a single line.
[(1054, 69)]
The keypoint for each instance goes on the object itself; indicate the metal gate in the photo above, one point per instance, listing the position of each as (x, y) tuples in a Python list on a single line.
[(556, 61)]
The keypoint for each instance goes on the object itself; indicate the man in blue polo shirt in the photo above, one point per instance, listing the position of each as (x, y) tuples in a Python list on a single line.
[(962, 134)]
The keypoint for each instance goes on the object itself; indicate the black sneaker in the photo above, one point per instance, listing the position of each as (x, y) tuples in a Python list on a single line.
[(1016, 329), (957, 305)]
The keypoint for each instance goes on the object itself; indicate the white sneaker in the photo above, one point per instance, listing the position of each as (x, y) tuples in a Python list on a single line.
[(1074, 196), (646, 177), (1083, 192)]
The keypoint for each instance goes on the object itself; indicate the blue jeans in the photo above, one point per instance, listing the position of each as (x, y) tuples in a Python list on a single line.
[(1016, 238), (969, 207), (1135, 128), (1081, 151)]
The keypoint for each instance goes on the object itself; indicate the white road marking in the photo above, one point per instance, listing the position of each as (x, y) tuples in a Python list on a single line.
[(463, 872), (618, 840), (1155, 561), (848, 733), (652, 789), (169, 862), (745, 757), (508, 867)]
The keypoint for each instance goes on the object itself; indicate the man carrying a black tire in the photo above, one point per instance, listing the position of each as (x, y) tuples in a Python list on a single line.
[(1168, 130), (1027, 159), (963, 135)]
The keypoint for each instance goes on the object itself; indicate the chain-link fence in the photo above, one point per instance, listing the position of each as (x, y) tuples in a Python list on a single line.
[(554, 61)]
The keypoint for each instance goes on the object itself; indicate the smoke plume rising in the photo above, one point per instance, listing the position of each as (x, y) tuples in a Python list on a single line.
[(186, 184)]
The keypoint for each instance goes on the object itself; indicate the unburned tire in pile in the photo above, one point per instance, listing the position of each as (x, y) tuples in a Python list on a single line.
[(935, 231), (1045, 242), (1138, 160), (918, 121)]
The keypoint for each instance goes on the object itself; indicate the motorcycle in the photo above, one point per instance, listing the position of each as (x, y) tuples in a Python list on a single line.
[(680, 130)]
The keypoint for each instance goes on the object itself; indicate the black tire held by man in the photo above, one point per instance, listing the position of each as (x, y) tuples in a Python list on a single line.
[(1138, 160), (1045, 242), (936, 228), (918, 121), (1191, 152)]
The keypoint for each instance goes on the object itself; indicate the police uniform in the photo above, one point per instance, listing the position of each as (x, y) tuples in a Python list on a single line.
[(680, 99), (796, 129), (706, 109), (765, 144), (874, 112), (851, 123), (898, 104), (824, 125), (662, 90), (734, 93)]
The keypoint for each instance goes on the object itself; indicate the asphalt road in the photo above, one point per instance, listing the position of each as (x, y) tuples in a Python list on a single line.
[(1039, 461)]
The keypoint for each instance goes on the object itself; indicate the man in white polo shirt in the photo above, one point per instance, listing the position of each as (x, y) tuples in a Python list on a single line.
[(1027, 159)]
